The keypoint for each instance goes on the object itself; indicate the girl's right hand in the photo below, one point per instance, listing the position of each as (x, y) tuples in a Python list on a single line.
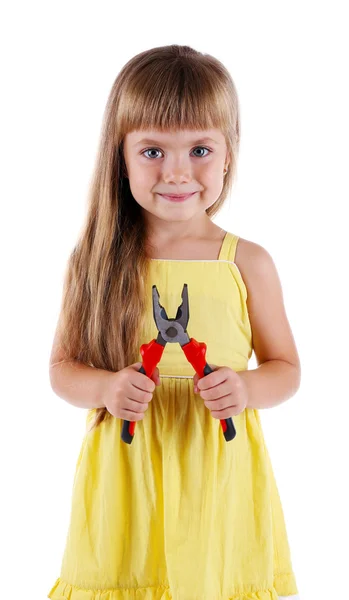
[(126, 394)]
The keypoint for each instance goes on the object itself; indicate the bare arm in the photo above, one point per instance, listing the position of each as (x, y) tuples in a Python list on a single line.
[(73, 381), (271, 383), (278, 374), (78, 384)]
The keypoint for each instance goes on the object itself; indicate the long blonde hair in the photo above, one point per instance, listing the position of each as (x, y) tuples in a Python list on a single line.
[(103, 302)]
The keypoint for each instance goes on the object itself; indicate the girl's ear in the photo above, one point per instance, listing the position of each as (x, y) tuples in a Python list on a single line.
[(227, 160)]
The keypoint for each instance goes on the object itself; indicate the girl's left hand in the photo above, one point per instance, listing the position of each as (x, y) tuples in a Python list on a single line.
[(224, 391)]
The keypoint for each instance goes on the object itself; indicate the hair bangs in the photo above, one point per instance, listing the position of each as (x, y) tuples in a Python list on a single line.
[(175, 98)]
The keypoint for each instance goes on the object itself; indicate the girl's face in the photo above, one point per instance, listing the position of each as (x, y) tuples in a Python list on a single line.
[(179, 162)]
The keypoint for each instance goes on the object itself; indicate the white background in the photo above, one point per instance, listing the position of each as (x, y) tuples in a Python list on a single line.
[(59, 61)]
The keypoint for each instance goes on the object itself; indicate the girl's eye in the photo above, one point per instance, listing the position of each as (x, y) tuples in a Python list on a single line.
[(202, 148), (157, 150), (150, 150)]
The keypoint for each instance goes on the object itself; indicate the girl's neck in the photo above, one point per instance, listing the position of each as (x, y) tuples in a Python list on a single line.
[(206, 246)]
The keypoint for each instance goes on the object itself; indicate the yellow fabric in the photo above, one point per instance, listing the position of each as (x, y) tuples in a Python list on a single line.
[(180, 513)]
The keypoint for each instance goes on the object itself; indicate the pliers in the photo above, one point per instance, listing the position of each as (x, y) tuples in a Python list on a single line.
[(171, 331)]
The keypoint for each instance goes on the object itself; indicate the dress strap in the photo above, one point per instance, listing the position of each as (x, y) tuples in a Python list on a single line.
[(228, 247)]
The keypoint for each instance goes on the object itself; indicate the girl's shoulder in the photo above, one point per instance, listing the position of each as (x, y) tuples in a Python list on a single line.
[(256, 267), (250, 255), (271, 329)]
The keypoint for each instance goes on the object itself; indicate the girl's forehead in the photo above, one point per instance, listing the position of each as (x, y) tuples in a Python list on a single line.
[(180, 136)]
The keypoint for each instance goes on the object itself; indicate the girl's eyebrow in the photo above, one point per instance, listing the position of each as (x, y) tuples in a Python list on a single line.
[(157, 142)]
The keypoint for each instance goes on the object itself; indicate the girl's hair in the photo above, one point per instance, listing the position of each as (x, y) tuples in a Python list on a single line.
[(104, 297)]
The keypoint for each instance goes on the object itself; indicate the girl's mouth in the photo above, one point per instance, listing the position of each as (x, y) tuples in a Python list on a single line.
[(177, 198)]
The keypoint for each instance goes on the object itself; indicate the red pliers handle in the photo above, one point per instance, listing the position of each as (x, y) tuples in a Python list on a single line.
[(195, 353)]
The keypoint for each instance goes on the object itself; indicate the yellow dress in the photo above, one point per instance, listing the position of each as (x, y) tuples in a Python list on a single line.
[(181, 513)]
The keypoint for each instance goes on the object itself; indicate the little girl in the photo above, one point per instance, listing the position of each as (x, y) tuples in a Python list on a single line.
[(182, 513)]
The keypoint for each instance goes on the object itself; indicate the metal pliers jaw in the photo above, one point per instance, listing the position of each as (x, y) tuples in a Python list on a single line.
[(174, 330), (171, 330)]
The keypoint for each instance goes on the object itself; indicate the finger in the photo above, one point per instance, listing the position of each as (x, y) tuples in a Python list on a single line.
[(155, 376), (227, 413), (219, 391), (212, 379), (196, 378), (143, 382), (221, 403), (138, 395), (224, 409)]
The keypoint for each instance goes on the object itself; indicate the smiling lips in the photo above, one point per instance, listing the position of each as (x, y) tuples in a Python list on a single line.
[(177, 197)]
